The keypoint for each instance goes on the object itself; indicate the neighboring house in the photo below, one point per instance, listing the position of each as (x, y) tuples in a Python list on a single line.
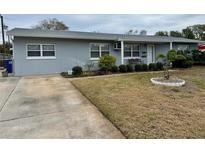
[(45, 51)]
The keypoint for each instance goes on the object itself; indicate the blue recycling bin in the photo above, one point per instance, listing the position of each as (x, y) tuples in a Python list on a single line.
[(9, 65)]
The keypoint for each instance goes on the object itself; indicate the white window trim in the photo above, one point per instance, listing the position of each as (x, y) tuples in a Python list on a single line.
[(41, 52), (43, 57), (132, 52), (100, 50)]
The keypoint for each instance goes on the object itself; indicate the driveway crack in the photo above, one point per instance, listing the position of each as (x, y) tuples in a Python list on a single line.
[(31, 116), (1, 109)]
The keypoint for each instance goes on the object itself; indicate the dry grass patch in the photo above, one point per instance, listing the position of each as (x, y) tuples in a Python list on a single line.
[(142, 110)]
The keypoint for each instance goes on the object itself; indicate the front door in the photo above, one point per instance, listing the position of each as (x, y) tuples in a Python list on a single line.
[(150, 54)]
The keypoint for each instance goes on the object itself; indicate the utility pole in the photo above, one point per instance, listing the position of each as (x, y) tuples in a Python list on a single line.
[(2, 30)]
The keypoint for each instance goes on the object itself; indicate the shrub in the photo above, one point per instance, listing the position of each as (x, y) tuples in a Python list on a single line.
[(152, 67), (65, 74), (104, 69), (188, 57), (182, 64), (106, 62), (177, 64), (179, 61), (187, 64), (77, 71), (180, 57), (190, 63), (182, 60), (123, 68), (144, 67), (114, 69), (129, 68), (138, 67), (198, 57), (159, 66)]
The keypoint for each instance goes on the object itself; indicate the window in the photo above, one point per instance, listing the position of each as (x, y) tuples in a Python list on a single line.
[(183, 47), (104, 49), (95, 50), (128, 50), (144, 54), (34, 50), (131, 50), (98, 50), (40, 51), (136, 50), (48, 50)]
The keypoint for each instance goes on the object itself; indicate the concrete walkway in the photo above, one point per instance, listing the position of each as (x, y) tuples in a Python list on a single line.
[(49, 107)]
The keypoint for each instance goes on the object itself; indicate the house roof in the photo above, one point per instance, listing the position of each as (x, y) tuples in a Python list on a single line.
[(22, 32)]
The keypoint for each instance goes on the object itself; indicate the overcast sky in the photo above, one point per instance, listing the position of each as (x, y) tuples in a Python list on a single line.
[(111, 23)]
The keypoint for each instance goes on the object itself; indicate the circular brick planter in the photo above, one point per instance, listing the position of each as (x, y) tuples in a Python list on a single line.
[(171, 82)]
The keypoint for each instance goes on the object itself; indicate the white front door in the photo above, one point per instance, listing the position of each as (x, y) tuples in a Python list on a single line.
[(150, 54)]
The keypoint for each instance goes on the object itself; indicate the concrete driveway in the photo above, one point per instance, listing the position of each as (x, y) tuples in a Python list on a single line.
[(49, 107)]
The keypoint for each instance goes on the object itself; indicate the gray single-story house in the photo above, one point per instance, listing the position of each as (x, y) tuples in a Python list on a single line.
[(45, 51)]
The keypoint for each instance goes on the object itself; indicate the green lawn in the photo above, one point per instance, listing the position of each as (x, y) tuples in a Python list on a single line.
[(142, 110)]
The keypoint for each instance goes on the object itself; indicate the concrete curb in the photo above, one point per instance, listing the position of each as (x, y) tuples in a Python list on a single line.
[(171, 84)]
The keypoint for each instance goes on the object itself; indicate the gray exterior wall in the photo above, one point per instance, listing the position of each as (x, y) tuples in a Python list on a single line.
[(69, 53), (162, 48), (165, 47)]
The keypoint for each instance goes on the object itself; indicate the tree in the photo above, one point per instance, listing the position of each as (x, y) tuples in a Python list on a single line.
[(51, 24), (175, 34), (167, 60), (161, 33), (188, 33), (198, 31), (6, 48)]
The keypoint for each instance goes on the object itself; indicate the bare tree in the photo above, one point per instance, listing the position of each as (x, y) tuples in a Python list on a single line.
[(51, 24)]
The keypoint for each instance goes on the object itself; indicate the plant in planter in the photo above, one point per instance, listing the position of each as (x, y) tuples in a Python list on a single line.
[(175, 59), (167, 60)]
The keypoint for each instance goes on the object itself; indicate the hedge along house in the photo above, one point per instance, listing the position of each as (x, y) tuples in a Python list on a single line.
[(46, 52)]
